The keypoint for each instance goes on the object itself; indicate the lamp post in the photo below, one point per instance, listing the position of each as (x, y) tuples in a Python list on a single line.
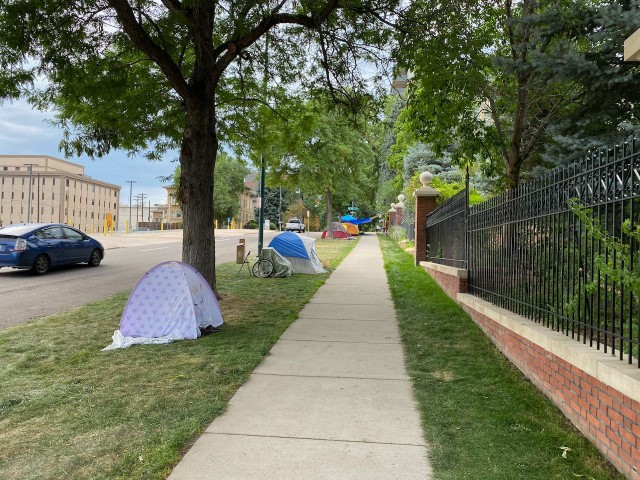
[(131, 182)]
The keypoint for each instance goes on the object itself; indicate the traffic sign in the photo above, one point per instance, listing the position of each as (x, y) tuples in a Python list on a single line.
[(353, 209)]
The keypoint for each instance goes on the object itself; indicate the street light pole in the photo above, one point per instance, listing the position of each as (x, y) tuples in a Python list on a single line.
[(130, 182), (261, 215)]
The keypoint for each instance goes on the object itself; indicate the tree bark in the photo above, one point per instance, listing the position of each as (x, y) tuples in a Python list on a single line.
[(513, 169), (329, 215), (197, 161)]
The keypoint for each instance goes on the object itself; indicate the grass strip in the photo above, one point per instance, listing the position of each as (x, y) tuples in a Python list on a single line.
[(481, 417), (69, 410)]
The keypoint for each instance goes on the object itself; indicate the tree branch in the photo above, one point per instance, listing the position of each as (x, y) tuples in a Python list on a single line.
[(232, 48), (143, 41), (498, 124)]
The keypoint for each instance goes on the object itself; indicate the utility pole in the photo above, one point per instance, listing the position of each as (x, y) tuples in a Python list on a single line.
[(30, 165), (280, 211), (130, 182), (140, 203), (262, 167)]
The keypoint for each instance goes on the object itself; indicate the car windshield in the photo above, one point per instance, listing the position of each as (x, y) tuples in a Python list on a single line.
[(294, 220)]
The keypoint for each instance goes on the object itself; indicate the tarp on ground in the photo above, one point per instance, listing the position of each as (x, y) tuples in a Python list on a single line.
[(299, 250), (281, 266), (172, 301)]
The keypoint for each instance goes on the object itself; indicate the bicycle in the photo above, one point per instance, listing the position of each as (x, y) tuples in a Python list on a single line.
[(262, 268)]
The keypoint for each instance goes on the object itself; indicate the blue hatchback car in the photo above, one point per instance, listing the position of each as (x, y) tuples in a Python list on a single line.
[(40, 246)]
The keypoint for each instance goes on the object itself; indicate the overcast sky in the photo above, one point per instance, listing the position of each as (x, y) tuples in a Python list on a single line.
[(24, 131)]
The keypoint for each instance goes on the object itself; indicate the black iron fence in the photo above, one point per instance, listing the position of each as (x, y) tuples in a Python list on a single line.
[(446, 232), (564, 250)]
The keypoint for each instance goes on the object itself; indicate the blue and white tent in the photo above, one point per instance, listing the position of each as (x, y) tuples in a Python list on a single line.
[(300, 251)]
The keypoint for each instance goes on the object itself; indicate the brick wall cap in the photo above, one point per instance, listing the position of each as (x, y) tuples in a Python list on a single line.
[(453, 271), (426, 192)]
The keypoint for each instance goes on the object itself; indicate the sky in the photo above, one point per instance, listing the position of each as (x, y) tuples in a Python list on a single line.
[(24, 131)]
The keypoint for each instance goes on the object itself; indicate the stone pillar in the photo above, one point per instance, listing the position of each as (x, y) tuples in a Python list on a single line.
[(426, 197), (399, 210)]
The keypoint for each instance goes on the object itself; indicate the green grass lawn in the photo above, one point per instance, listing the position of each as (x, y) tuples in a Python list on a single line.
[(69, 410), (482, 419)]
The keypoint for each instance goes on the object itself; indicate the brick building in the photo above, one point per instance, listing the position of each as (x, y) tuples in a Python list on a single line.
[(40, 188)]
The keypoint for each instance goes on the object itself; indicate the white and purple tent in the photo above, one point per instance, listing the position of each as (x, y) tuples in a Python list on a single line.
[(172, 301)]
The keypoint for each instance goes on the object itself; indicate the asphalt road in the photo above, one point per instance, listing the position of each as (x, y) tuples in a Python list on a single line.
[(24, 296)]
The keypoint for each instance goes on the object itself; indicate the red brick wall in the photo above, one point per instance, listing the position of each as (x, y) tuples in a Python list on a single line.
[(609, 419), (451, 284)]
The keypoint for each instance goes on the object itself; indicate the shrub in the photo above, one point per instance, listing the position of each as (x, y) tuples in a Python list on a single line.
[(252, 224)]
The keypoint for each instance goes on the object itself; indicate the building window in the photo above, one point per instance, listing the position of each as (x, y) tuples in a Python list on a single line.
[(54, 181), (2, 195), (53, 196), (12, 209), (42, 210), (33, 195), (93, 188), (12, 195), (21, 210), (13, 181), (5, 168), (67, 182), (93, 202), (23, 182), (43, 179), (91, 214), (42, 195), (22, 196), (33, 181), (114, 205), (17, 169)]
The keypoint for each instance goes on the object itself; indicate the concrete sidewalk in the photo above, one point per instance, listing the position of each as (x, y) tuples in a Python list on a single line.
[(332, 400)]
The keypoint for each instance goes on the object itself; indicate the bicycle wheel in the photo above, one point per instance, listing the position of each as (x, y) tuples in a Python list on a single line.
[(263, 268)]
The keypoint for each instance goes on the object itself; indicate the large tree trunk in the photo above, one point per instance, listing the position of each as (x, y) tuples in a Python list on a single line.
[(329, 215), (513, 170), (197, 161)]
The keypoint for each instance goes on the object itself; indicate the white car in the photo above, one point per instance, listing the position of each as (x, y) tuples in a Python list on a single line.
[(294, 225)]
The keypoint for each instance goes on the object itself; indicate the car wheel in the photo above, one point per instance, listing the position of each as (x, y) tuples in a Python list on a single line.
[(41, 265), (95, 258)]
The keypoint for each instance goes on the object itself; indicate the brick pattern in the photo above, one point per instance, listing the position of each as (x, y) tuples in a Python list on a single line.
[(449, 283), (424, 206), (609, 419)]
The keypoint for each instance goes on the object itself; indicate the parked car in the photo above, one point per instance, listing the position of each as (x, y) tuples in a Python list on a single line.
[(40, 246), (294, 225), (142, 229)]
